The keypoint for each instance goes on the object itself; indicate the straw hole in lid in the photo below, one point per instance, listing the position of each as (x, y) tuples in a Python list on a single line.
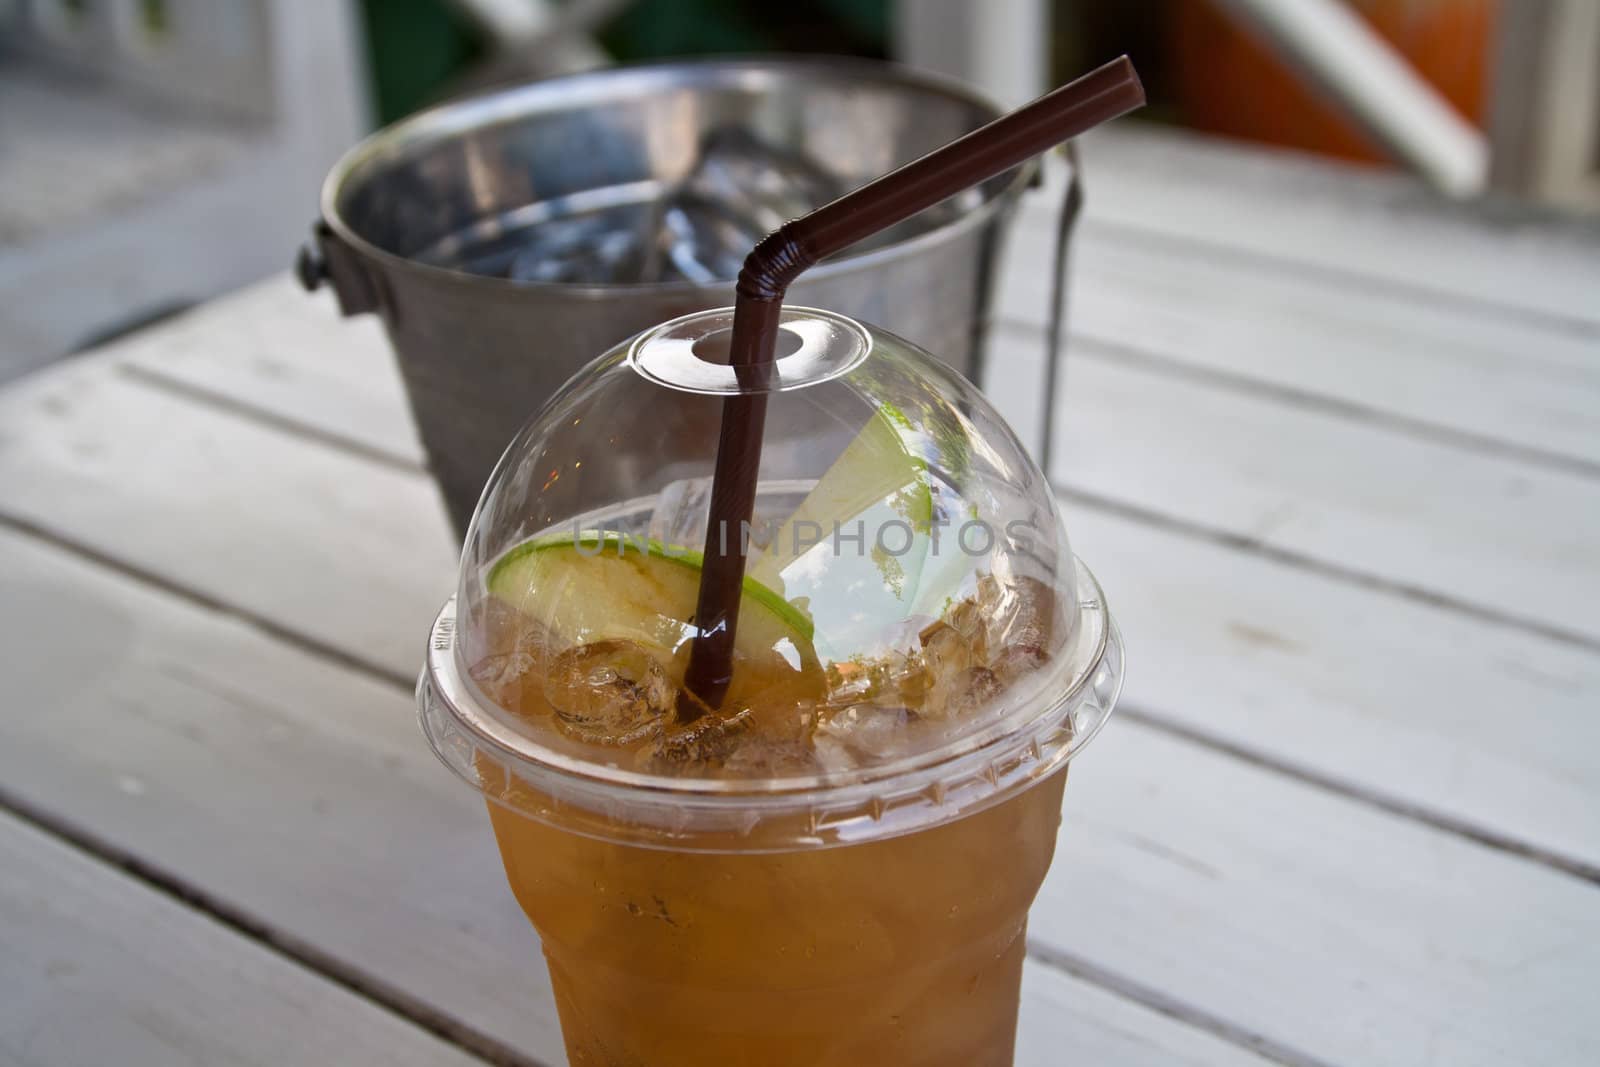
[(691, 353), (717, 347)]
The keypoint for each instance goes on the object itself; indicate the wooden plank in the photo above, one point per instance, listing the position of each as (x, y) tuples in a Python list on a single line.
[(261, 519), (1467, 373), (1503, 536), (99, 968), (1477, 725), (286, 352), (1327, 659), (1067, 1020), (302, 795), (1363, 226), (1332, 932)]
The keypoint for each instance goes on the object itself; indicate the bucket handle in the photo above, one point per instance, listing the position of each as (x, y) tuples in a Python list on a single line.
[(326, 258), (1071, 209)]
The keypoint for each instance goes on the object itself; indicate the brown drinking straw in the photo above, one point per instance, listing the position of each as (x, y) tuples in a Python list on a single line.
[(778, 260)]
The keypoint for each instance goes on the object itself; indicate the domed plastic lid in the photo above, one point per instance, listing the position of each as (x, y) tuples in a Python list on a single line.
[(914, 638)]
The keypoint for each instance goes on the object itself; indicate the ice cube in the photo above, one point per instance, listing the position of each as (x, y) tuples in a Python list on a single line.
[(971, 623), (500, 628), (965, 694), (503, 676), (506, 647), (760, 184), (679, 515), (893, 678), (959, 680), (1021, 624), (609, 692), (947, 656), (596, 247), (704, 241), (764, 757), (860, 735), (1014, 663), (708, 740)]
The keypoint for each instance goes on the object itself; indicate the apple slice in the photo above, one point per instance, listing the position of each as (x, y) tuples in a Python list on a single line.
[(879, 494), (880, 473), (601, 587)]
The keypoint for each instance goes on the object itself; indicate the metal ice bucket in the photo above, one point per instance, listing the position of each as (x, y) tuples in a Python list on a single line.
[(480, 354)]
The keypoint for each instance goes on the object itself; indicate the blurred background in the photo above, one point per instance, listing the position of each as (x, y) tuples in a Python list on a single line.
[(154, 153)]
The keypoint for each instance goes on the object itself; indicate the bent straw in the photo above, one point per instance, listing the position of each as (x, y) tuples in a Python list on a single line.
[(779, 259)]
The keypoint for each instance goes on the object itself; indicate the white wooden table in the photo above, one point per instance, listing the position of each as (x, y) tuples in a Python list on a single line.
[(1334, 452)]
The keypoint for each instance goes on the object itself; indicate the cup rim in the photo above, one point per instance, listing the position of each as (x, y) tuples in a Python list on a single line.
[(505, 104)]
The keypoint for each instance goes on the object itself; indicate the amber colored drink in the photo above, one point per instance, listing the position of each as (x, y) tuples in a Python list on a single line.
[(901, 949), (905, 952)]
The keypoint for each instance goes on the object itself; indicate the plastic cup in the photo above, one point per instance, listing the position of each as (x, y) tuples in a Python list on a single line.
[(860, 895)]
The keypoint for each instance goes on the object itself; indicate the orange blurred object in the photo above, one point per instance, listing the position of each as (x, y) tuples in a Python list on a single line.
[(1230, 83)]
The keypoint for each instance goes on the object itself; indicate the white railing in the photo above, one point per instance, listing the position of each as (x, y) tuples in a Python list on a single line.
[(211, 54)]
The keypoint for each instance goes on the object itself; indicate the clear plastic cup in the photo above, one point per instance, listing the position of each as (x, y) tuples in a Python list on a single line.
[(835, 865)]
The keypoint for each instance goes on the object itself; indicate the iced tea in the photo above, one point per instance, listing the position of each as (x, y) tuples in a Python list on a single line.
[(905, 950)]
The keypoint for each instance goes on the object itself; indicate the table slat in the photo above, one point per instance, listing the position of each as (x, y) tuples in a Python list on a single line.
[(284, 352), (264, 521), (1353, 226), (1335, 932), (1420, 707), (100, 969), (1497, 535), (1376, 353)]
